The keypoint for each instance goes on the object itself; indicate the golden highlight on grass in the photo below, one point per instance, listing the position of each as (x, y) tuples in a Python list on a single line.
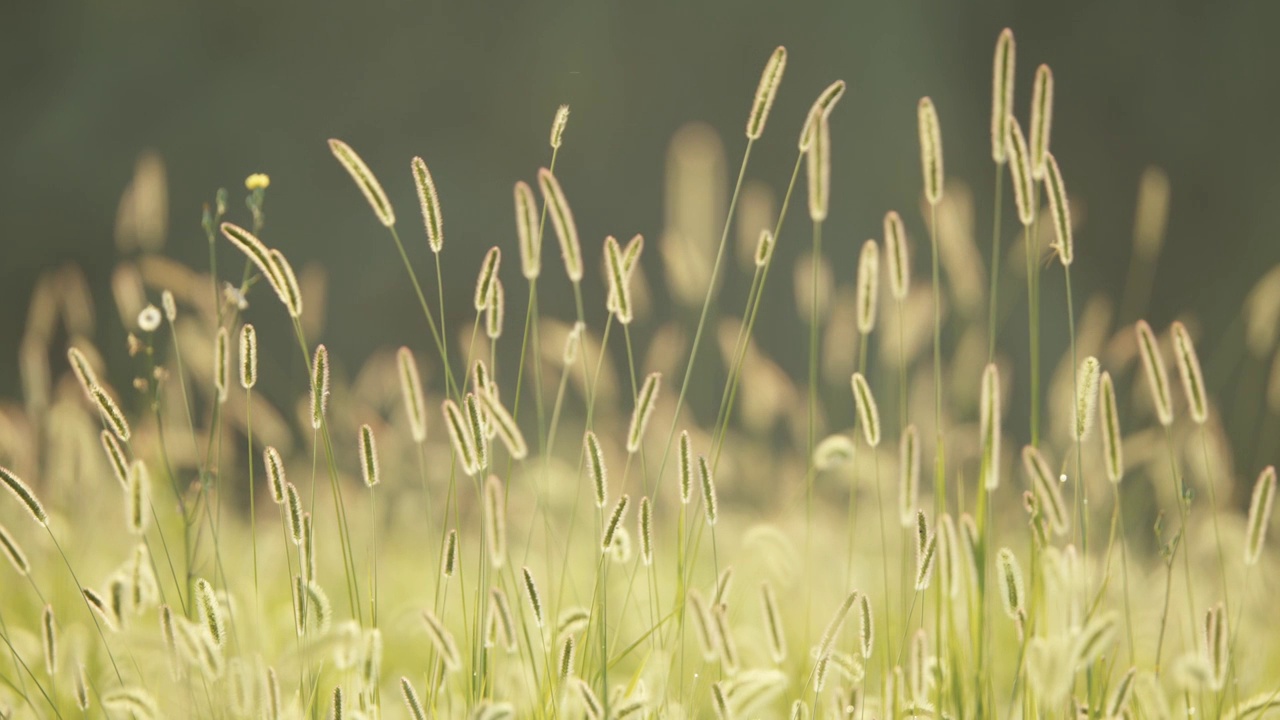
[(990, 426), (429, 201), (646, 401), (1002, 77), (930, 150), (1157, 379), (562, 220), (1264, 492), (770, 79), (1112, 446), (1184, 353), (365, 180)]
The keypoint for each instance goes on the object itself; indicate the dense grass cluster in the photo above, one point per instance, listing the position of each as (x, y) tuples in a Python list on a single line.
[(527, 518)]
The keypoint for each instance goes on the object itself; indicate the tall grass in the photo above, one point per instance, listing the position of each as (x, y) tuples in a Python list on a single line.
[(507, 579)]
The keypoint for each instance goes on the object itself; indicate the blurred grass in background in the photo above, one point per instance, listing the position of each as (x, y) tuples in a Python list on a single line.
[(221, 90)]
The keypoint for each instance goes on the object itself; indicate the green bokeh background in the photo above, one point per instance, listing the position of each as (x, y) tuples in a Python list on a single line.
[(224, 89)]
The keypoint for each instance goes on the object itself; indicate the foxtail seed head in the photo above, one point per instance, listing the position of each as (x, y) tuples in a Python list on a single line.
[(1060, 209), (615, 519), (13, 551), (868, 414), (562, 220), (505, 424), (275, 473), (820, 110), (899, 262), (764, 248), (596, 468), (478, 426), (1086, 396), (1001, 92), (1157, 378), (411, 391), (319, 386), (365, 180), (1020, 171), (1009, 574), (368, 456), (557, 126), (1264, 492), (488, 273), (289, 291), (868, 286), (708, 483), (1111, 439), (222, 364), (930, 150), (1041, 119), (460, 435), (1046, 488), (430, 203), (24, 494), (535, 598), (646, 531), (111, 413), (248, 356), (494, 311), (527, 230), (138, 498), (765, 92), (619, 285), (818, 165), (449, 558), (645, 403), (1184, 352)]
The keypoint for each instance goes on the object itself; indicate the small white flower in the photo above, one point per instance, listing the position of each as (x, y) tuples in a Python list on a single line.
[(149, 318)]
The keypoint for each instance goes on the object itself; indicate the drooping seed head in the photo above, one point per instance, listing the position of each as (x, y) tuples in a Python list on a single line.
[(1059, 209), (908, 475), (832, 631), (24, 494), (1157, 378), (767, 90), (527, 230), (868, 286), (319, 386), (821, 109), (429, 201), (989, 426), (724, 638), (12, 550), (116, 457), (930, 150), (256, 251), (1020, 171), (1184, 352), (1264, 492), (1046, 488), (646, 401), (818, 166), (365, 180), (505, 424), (1009, 574), (411, 392), (1086, 396), (557, 126), (289, 292), (1041, 120), (131, 700), (111, 413), (899, 262), (562, 220), (1111, 438), (866, 626), (443, 641), (868, 414), (248, 356), (1002, 77)]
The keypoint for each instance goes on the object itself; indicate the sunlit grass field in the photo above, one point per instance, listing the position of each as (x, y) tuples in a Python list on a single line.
[(521, 515)]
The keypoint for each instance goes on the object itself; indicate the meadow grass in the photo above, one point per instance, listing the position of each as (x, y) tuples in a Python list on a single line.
[(601, 569)]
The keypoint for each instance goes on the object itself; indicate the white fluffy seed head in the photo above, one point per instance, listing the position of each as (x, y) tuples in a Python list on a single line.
[(899, 262), (169, 305), (429, 201), (1184, 352), (562, 220), (868, 288), (767, 90), (411, 392), (930, 150), (1002, 76), (248, 356), (365, 180), (1041, 120), (1111, 438), (1086, 396), (1157, 378), (149, 319)]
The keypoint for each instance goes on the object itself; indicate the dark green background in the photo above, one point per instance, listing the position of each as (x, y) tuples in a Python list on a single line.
[(223, 89)]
